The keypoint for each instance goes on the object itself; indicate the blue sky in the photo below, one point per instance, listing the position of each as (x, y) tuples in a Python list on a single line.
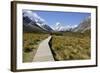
[(64, 18)]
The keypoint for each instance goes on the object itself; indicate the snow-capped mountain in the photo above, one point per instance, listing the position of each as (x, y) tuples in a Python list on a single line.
[(60, 27), (84, 25), (32, 20), (30, 26)]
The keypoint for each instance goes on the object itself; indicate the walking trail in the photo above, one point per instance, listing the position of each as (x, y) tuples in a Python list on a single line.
[(43, 52)]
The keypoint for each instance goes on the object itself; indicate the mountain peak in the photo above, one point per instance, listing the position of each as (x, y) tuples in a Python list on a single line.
[(31, 17), (61, 27)]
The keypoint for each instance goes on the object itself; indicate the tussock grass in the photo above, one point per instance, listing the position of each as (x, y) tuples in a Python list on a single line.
[(71, 46), (30, 45)]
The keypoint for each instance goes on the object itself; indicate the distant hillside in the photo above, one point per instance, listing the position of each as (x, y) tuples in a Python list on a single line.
[(84, 26), (34, 23), (30, 26)]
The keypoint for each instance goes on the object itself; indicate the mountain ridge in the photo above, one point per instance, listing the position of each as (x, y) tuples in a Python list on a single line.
[(33, 23), (84, 25)]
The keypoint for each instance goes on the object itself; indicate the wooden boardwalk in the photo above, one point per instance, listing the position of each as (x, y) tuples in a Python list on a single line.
[(44, 53)]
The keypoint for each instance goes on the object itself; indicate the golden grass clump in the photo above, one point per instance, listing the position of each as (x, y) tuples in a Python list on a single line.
[(30, 45), (71, 47)]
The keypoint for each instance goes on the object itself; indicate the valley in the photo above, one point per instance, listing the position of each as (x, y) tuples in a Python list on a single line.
[(70, 38)]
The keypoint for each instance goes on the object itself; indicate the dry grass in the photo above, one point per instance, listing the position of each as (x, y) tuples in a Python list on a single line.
[(30, 45), (73, 47)]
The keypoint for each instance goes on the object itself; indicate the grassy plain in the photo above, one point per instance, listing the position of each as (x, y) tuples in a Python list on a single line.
[(30, 44), (71, 46)]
